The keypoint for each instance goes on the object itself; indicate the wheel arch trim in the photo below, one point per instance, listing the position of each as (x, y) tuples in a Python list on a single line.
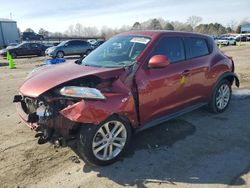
[(231, 76)]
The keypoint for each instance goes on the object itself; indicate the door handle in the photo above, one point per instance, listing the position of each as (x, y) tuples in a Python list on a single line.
[(185, 73)]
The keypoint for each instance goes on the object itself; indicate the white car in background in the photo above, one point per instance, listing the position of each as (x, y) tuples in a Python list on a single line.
[(225, 41), (222, 41), (231, 40)]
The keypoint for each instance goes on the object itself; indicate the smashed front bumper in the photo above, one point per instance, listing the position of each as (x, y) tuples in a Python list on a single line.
[(40, 117)]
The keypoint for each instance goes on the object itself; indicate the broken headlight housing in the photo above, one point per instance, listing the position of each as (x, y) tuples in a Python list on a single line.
[(82, 92)]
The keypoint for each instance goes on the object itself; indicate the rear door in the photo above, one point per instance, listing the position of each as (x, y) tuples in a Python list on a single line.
[(198, 57), (82, 47), (164, 90), (35, 49)]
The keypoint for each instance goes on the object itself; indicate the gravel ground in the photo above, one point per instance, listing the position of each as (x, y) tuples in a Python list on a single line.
[(198, 149)]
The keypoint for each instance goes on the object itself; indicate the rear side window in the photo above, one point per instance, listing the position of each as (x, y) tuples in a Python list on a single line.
[(33, 45), (196, 47), (72, 43), (83, 43), (172, 47), (25, 45)]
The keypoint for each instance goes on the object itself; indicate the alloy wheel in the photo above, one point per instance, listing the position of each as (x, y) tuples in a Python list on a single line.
[(109, 140), (60, 54), (223, 96)]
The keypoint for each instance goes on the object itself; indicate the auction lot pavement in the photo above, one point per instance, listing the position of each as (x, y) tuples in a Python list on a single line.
[(198, 149)]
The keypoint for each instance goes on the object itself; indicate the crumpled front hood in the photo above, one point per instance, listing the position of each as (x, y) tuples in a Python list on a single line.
[(52, 76)]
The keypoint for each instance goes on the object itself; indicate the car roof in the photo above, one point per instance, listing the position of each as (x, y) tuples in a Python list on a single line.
[(75, 40), (31, 43), (157, 33)]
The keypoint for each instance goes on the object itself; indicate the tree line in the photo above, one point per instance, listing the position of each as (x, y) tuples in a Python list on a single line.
[(192, 24)]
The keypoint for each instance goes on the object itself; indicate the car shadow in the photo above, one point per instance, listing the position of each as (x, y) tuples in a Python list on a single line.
[(156, 157), (153, 140)]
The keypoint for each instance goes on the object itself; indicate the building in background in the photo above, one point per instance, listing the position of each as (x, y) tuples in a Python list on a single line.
[(8, 32), (245, 28)]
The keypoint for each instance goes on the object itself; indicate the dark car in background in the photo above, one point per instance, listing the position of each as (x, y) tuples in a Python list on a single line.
[(24, 49), (243, 38), (70, 47), (31, 36), (98, 43)]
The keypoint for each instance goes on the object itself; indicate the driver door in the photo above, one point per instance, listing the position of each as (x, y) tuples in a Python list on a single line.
[(164, 90)]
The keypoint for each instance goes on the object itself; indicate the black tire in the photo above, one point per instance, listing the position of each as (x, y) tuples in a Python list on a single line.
[(213, 105), (87, 135), (60, 54), (13, 55)]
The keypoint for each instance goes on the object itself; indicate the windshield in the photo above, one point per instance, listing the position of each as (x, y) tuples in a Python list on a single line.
[(119, 51), (21, 44), (62, 43)]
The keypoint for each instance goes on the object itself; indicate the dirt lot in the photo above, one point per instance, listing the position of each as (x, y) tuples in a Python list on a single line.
[(196, 150)]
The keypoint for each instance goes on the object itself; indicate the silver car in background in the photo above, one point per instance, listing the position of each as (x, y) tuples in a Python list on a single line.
[(69, 47)]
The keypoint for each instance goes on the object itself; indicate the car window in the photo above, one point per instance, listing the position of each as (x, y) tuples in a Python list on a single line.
[(34, 45), (119, 51), (196, 47), (25, 45), (82, 43), (172, 48), (71, 43)]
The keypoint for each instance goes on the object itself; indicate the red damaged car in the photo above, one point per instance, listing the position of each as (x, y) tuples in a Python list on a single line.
[(133, 81)]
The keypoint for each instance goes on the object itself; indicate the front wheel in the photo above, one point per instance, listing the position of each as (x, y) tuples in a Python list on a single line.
[(42, 53), (60, 54), (104, 144), (13, 55), (221, 97)]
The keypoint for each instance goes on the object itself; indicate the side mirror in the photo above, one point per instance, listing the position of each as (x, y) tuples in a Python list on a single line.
[(158, 61), (66, 44)]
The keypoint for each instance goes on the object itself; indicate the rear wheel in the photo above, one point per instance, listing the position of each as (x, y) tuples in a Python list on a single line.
[(105, 143), (221, 97)]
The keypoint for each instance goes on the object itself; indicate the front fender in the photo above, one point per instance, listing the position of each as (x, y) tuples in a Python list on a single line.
[(96, 111)]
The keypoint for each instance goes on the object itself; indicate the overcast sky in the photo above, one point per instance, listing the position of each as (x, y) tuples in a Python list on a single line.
[(57, 15)]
